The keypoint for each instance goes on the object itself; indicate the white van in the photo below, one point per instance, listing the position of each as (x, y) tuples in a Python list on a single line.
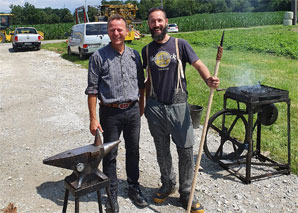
[(87, 38)]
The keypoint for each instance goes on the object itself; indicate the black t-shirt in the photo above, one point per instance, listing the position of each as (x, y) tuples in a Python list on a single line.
[(163, 66)]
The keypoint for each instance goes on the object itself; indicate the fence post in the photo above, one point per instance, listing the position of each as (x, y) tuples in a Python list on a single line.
[(294, 9)]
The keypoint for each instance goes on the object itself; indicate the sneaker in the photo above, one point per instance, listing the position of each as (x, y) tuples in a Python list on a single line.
[(164, 191), (135, 195), (196, 207), (115, 205)]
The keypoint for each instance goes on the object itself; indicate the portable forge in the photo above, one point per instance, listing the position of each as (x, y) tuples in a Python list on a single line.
[(233, 151)]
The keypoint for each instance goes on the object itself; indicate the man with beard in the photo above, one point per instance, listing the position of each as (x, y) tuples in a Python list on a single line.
[(167, 110)]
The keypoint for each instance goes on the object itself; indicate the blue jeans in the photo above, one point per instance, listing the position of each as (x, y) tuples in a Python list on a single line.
[(114, 121)]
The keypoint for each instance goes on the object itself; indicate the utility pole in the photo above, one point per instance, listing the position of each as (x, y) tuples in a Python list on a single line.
[(161, 4), (294, 9)]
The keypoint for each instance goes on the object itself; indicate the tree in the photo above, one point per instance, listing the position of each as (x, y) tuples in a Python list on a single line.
[(65, 16), (145, 5), (28, 14), (271, 5), (92, 12), (17, 10)]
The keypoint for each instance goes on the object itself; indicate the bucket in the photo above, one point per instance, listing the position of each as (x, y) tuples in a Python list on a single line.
[(195, 114)]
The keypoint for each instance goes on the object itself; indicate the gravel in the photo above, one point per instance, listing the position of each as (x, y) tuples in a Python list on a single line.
[(44, 111)]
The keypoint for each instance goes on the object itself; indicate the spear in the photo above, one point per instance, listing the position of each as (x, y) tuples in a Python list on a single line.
[(198, 162)]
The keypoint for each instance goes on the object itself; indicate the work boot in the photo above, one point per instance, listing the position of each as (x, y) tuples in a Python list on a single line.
[(135, 195), (164, 191), (196, 207), (115, 205)]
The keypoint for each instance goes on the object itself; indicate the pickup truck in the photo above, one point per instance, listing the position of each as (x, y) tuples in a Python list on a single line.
[(26, 38)]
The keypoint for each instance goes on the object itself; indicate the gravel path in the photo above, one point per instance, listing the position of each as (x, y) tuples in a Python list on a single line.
[(43, 112)]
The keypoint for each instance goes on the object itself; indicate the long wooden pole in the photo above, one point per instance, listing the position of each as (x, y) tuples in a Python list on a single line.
[(198, 162)]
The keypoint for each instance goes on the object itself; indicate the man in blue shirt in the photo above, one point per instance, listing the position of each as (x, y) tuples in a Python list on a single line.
[(116, 78)]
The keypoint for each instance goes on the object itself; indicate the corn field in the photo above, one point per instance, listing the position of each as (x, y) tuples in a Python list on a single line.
[(51, 31), (222, 21), (186, 24)]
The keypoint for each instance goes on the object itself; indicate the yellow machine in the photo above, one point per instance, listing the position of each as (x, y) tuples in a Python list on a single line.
[(5, 32), (105, 11), (127, 11)]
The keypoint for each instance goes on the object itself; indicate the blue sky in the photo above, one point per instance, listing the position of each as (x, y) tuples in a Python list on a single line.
[(70, 4)]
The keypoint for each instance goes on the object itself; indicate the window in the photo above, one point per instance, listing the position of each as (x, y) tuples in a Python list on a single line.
[(96, 29)]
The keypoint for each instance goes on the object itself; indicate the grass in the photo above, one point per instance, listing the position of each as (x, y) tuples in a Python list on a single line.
[(250, 55)]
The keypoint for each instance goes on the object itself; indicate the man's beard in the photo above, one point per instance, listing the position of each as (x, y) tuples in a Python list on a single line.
[(158, 37)]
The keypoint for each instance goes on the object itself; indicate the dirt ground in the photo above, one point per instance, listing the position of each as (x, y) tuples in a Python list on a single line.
[(43, 111)]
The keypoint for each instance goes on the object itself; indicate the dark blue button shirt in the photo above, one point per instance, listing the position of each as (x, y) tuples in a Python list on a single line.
[(115, 78)]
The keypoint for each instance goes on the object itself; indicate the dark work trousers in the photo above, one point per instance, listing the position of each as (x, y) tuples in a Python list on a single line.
[(166, 121), (113, 122)]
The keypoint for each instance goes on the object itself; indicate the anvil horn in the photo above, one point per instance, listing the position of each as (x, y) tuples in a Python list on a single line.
[(86, 154)]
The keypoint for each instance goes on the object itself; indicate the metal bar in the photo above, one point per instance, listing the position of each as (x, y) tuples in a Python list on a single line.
[(267, 159), (289, 126), (270, 164), (269, 174), (250, 145), (110, 198), (258, 148), (65, 200), (77, 205), (99, 201), (236, 173)]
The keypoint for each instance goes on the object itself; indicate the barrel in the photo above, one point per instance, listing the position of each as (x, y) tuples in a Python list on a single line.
[(195, 114), (289, 15), (288, 18)]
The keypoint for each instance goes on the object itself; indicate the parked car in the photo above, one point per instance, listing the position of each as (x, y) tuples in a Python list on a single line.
[(26, 38), (87, 38), (172, 28)]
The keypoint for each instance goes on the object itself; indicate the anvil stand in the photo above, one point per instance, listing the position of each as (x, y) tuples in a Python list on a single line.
[(91, 183), (80, 184), (86, 176)]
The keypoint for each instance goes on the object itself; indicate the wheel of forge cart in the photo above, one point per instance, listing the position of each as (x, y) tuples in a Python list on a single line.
[(229, 126)]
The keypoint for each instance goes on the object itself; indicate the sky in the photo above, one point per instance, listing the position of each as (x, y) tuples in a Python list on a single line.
[(54, 4)]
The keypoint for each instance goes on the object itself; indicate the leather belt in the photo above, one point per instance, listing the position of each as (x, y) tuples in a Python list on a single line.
[(119, 105)]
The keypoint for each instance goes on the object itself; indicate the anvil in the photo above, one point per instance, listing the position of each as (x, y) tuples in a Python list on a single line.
[(84, 160)]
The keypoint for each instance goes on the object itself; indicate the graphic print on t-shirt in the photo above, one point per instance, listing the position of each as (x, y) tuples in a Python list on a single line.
[(162, 59)]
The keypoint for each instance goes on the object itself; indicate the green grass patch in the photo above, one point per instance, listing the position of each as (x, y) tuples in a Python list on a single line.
[(61, 48), (278, 40), (246, 61)]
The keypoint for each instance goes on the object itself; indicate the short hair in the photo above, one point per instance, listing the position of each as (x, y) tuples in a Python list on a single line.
[(117, 17), (153, 9)]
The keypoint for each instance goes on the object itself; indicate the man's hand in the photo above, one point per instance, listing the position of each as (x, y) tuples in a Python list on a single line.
[(94, 124), (212, 82)]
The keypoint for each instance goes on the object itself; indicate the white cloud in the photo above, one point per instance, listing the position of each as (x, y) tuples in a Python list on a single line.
[(69, 4)]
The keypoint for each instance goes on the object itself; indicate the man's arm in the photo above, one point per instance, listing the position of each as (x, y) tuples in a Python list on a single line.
[(205, 74), (94, 124)]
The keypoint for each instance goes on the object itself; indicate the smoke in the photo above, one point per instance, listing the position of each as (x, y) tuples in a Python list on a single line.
[(246, 76)]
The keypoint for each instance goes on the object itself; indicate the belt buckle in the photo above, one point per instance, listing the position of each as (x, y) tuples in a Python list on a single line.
[(123, 106)]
